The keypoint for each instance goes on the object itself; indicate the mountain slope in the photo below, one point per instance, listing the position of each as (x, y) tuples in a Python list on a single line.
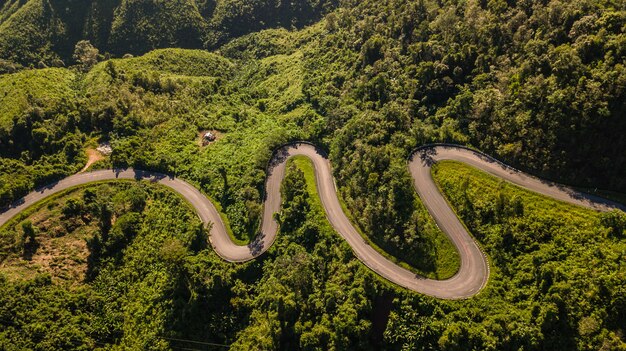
[(139, 26), (28, 35), (44, 30), (538, 83)]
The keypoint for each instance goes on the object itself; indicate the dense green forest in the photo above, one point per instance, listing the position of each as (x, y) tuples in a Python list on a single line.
[(539, 84), (128, 264), (44, 32)]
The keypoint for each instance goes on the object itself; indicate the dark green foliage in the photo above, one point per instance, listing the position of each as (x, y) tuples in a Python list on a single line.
[(378, 187), (47, 30), (37, 301), (140, 26), (28, 34), (313, 295), (29, 231), (123, 232), (72, 208), (535, 83), (237, 17), (295, 199), (615, 221), (539, 84), (555, 275)]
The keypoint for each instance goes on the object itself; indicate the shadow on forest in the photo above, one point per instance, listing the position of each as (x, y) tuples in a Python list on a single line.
[(380, 316), (30, 249), (194, 317), (426, 155), (256, 246)]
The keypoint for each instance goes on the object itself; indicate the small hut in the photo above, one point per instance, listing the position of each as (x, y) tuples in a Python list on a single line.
[(208, 137)]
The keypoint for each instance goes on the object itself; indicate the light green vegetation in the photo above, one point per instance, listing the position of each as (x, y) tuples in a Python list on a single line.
[(46, 89), (557, 272), (447, 173), (159, 286), (166, 63), (537, 84), (271, 42), (146, 278), (123, 248)]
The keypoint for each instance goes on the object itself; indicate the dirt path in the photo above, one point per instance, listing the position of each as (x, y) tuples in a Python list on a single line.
[(93, 156)]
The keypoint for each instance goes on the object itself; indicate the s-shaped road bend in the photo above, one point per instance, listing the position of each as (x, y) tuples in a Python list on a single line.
[(469, 280)]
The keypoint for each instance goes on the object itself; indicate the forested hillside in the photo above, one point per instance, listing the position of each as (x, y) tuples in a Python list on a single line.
[(540, 84), (41, 32)]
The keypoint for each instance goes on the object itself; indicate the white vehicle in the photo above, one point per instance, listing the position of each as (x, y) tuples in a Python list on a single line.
[(208, 136)]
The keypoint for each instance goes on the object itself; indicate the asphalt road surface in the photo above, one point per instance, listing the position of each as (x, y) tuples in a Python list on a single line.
[(473, 273)]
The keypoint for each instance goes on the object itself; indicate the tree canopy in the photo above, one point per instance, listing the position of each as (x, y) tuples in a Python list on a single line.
[(537, 84)]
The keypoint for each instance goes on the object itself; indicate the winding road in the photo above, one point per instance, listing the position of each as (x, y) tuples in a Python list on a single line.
[(474, 270)]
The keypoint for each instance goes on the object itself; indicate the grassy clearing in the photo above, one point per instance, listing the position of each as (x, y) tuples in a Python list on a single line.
[(38, 206), (30, 210), (172, 62), (448, 260), (281, 85), (60, 247), (447, 257), (306, 166), (447, 173), (471, 192)]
